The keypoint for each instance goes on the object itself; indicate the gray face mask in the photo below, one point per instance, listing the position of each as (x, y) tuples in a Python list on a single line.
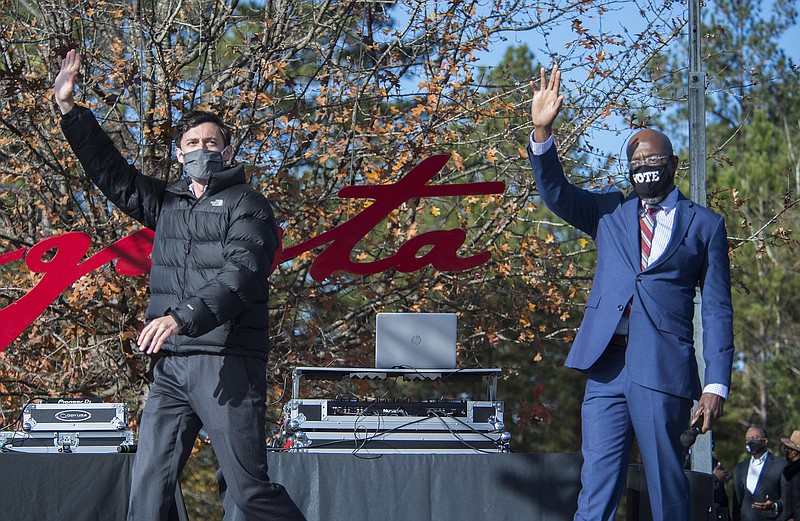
[(200, 164)]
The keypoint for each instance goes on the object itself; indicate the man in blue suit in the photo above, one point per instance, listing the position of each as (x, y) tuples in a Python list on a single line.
[(635, 343)]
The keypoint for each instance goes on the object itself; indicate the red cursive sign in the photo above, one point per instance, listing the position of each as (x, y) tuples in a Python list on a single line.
[(63, 268), (65, 265)]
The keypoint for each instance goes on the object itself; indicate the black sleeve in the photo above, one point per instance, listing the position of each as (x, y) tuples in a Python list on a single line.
[(137, 195)]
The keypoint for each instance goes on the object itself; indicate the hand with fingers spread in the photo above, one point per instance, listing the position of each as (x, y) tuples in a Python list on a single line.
[(546, 104), (764, 505), (64, 86), (156, 333)]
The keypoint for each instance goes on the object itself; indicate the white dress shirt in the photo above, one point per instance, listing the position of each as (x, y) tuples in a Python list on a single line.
[(754, 471)]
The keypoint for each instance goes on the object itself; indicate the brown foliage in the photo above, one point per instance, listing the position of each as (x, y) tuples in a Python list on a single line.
[(319, 96)]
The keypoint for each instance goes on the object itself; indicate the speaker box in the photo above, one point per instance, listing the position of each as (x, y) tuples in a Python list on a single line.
[(701, 487)]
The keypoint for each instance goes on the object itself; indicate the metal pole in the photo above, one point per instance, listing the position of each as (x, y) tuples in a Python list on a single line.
[(701, 451), (697, 109)]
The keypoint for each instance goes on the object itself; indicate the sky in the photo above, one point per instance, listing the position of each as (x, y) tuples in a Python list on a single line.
[(609, 141)]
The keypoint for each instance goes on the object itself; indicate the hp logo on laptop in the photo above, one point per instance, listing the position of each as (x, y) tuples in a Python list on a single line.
[(416, 340)]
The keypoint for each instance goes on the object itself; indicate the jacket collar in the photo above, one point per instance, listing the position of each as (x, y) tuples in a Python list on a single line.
[(217, 183), (222, 180), (792, 469), (684, 213)]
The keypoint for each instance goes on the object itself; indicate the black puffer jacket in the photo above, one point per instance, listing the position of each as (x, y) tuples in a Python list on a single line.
[(792, 503), (211, 255)]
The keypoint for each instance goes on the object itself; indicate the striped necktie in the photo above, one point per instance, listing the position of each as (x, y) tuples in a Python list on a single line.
[(647, 223)]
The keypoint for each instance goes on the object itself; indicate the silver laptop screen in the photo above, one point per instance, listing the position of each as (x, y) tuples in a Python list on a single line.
[(415, 340)]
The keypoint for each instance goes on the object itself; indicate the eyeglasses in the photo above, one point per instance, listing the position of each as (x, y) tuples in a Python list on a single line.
[(649, 161)]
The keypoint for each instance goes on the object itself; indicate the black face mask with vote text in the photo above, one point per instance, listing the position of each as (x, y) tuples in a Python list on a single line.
[(653, 183)]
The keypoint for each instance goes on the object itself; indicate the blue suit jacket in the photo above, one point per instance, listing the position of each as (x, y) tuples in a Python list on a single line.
[(660, 352)]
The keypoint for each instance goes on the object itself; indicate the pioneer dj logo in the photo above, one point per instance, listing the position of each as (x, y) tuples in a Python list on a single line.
[(73, 416), (416, 340)]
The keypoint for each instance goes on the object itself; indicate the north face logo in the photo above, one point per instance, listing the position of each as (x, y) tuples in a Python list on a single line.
[(216, 202)]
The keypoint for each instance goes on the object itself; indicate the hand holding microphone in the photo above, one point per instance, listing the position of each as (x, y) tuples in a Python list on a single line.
[(709, 408), (689, 436)]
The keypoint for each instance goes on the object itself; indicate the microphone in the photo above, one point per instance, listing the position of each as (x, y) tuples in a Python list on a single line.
[(690, 435)]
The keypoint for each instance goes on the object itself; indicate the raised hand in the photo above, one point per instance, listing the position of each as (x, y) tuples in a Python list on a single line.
[(546, 104), (64, 86)]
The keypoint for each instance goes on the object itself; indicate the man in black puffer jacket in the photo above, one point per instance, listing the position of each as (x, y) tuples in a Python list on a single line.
[(215, 240)]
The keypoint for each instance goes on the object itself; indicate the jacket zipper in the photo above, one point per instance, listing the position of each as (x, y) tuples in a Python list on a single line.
[(188, 246)]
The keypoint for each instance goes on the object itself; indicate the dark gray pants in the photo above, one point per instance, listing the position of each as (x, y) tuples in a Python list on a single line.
[(226, 396)]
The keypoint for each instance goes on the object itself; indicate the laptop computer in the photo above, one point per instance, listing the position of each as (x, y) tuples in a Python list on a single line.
[(415, 340)]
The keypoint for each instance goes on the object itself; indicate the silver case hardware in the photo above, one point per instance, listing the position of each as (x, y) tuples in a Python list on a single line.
[(65, 442), (48, 417)]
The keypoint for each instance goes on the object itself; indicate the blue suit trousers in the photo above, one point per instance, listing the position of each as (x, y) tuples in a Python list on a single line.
[(615, 409)]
